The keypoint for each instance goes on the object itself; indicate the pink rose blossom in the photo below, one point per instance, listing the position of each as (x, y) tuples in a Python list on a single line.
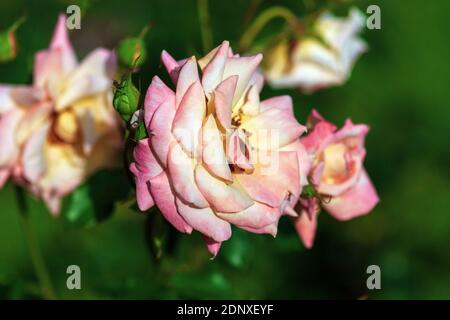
[(63, 127), (337, 173), (216, 156)]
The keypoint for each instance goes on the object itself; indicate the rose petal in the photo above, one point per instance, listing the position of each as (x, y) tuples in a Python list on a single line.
[(165, 200), (223, 99), (213, 246), (213, 154), (181, 170), (33, 159), (189, 118), (205, 221), (257, 216), (171, 65), (272, 185), (146, 162), (221, 196), (160, 130), (187, 76), (306, 228), (156, 94), (4, 175), (60, 40), (244, 67), (94, 75), (284, 103), (9, 149), (143, 197), (357, 201), (213, 72), (272, 129)]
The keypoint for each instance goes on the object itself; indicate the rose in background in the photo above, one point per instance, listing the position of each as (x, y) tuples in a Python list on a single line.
[(322, 58), (203, 163), (337, 174), (58, 131)]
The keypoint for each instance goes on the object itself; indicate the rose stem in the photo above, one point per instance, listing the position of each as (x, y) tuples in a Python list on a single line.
[(36, 257), (205, 26)]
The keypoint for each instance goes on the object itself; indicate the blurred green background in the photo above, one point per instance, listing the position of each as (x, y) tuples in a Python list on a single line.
[(399, 88)]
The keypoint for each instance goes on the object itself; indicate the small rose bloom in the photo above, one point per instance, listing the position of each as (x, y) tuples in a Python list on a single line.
[(216, 154), (62, 128), (314, 63), (337, 172)]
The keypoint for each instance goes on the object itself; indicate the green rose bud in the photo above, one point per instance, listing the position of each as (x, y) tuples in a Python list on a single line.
[(126, 98), (8, 50), (132, 52), (8, 45)]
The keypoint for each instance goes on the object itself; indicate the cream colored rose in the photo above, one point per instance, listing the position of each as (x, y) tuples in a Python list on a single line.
[(61, 129), (312, 63)]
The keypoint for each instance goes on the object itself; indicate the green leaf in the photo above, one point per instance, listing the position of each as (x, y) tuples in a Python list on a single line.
[(94, 201)]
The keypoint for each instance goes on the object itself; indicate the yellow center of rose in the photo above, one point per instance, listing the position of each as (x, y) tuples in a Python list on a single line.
[(66, 126), (335, 164)]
